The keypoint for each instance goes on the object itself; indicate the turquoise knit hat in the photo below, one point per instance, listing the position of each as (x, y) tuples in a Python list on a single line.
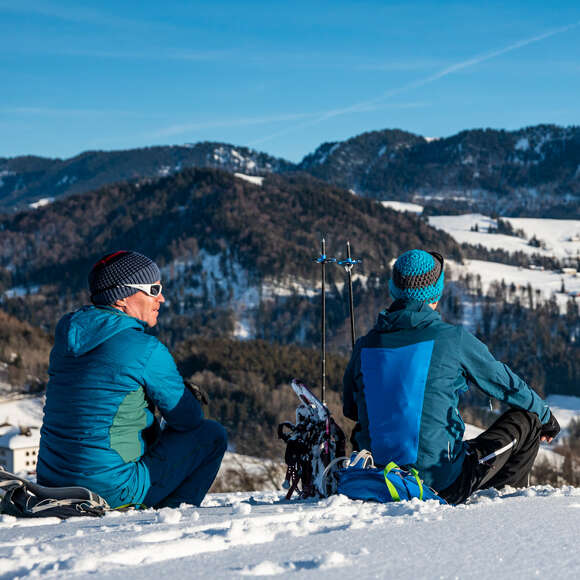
[(418, 275)]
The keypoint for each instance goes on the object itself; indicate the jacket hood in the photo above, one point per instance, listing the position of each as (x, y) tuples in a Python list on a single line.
[(406, 314), (89, 327)]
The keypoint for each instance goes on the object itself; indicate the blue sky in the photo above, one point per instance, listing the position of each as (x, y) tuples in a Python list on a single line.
[(281, 77)]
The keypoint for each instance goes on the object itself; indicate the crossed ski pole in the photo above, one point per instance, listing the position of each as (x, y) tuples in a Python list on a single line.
[(348, 264), (323, 259)]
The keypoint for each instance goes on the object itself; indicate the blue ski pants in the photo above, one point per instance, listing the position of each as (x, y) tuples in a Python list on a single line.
[(183, 464)]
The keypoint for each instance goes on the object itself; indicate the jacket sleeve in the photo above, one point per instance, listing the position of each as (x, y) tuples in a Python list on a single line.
[(164, 386), (497, 380)]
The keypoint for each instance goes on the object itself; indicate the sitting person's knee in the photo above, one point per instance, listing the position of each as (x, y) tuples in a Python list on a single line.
[(215, 432)]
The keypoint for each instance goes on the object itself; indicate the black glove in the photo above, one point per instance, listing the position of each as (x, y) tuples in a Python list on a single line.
[(551, 428), (197, 391)]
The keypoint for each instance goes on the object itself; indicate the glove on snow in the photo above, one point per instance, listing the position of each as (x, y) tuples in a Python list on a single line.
[(551, 428), (197, 391)]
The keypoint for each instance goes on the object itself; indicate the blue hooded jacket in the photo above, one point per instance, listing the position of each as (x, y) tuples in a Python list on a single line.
[(103, 371), (403, 382)]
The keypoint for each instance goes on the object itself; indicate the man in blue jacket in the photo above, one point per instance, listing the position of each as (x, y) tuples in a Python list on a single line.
[(106, 376), (403, 382)]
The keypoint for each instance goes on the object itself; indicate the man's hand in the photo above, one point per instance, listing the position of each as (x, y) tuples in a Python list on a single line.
[(550, 429), (196, 391)]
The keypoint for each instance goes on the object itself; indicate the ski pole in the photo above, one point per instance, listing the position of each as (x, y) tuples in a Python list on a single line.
[(348, 265), (323, 260)]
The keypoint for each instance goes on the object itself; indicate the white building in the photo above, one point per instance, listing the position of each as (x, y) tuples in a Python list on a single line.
[(19, 448)]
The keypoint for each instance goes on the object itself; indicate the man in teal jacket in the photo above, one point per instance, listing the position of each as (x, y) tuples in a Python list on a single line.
[(403, 382), (106, 376)]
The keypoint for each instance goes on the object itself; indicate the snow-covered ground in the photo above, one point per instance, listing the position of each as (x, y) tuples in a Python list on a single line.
[(546, 281), (251, 178), (565, 408), (403, 206), (509, 535), (561, 237)]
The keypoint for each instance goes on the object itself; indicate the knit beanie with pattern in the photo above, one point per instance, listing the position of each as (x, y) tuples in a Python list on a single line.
[(108, 275), (418, 275)]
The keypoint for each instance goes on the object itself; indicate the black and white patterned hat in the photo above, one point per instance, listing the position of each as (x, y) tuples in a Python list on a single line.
[(108, 275)]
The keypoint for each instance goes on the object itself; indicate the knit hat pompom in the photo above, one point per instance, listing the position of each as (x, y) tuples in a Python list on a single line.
[(108, 275), (418, 275)]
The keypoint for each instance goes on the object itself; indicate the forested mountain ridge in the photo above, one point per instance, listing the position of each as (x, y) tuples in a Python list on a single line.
[(221, 241), (512, 172), (27, 180), (531, 171)]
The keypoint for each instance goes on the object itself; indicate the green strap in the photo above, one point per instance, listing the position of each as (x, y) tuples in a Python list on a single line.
[(392, 489), (419, 482)]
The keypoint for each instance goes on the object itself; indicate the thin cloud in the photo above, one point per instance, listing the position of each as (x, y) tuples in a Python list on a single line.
[(181, 128), (161, 55), (399, 66), (74, 13), (54, 112), (420, 82)]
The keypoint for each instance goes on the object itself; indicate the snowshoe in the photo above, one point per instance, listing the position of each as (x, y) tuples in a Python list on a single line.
[(315, 444)]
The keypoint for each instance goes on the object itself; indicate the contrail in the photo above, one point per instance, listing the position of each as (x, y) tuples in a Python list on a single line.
[(420, 82)]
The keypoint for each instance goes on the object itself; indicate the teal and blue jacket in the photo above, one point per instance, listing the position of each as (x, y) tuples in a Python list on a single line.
[(403, 383), (104, 374)]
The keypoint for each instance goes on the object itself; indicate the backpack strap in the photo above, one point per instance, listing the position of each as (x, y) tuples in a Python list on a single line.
[(419, 482), (392, 489)]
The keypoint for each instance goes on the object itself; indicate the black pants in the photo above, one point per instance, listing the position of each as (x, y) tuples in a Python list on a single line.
[(502, 455)]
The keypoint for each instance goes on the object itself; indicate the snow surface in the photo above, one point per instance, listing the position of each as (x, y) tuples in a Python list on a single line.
[(562, 237), (512, 534), (251, 178), (25, 411), (12, 438), (403, 206), (41, 202), (509, 534), (564, 407), (548, 282)]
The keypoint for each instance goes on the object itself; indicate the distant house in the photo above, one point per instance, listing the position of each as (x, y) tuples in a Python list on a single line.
[(569, 271), (19, 448)]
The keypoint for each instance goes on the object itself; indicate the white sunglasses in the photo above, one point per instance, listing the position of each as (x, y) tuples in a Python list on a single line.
[(153, 290)]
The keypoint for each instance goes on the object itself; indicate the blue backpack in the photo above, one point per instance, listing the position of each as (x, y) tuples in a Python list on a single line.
[(383, 485)]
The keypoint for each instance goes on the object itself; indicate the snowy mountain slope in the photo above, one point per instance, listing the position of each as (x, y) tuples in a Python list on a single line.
[(25, 411), (512, 534), (565, 408), (561, 237), (403, 206), (547, 282)]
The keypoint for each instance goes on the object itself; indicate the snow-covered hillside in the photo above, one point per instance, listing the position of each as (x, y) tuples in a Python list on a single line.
[(561, 237), (546, 281), (509, 535)]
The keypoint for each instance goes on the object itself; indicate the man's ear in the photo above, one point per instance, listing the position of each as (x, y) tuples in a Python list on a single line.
[(120, 303)]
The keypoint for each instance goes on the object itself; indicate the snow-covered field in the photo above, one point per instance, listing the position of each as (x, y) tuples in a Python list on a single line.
[(513, 535), (509, 534), (403, 206), (561, 237), (546, 281)]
